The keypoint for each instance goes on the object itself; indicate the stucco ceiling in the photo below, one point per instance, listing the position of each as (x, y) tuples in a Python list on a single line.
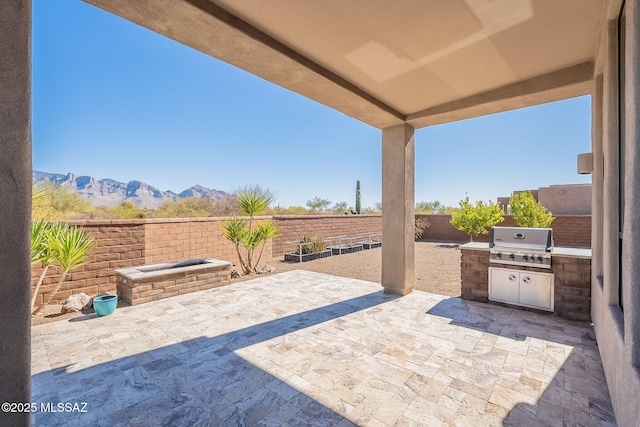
[(385, 61)]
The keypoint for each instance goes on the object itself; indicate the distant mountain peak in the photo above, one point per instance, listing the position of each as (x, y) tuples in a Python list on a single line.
[(109, 192)]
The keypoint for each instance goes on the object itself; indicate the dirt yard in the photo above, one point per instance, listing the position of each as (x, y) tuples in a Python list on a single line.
[(437, 271)]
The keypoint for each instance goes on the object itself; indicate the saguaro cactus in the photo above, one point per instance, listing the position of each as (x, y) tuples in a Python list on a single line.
[(358, 197)]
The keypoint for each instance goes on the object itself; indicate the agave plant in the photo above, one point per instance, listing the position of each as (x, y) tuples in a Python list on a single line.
[(249, 233), (59, 244)]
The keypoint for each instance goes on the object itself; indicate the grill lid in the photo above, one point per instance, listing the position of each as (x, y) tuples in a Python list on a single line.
[(540, 239)]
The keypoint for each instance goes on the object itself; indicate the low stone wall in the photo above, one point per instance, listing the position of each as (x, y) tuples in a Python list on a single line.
[(150, 283)]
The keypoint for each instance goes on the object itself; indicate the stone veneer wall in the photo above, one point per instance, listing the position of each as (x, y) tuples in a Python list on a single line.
[(572, 282), (571, 231)]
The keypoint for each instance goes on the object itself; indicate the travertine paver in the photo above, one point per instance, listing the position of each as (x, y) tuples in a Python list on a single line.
[(307, 349)]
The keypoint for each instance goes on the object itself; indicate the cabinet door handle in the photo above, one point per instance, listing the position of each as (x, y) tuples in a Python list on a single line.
[(526, 279), (512, 277)]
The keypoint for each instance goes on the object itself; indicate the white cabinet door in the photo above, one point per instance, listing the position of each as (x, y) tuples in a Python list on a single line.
[(535, 290), (503, 285)]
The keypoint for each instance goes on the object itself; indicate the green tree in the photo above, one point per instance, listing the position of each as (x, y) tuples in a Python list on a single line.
[(341, 207), (250, 233), (58, 244), (188, 207), (318, 204), (528, 212), (291, 210), (58, 202), (225, 206), (126, 210), (476, 219), (432, 208)]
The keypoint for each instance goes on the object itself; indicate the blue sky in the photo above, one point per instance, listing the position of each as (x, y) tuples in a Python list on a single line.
[(114, 100)]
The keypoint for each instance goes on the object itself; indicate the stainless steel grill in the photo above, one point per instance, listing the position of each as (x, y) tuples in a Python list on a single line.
[(521, 246)]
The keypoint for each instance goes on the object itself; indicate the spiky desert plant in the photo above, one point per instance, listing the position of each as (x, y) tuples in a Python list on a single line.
[(42, 232), (70, 248), (311, 245), (358, 203), (246, 232)]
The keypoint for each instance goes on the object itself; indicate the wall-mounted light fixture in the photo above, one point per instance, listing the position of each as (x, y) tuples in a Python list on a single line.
[(585, 163)]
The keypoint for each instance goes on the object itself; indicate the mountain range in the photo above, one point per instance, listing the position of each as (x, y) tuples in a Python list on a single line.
[(109, 192)]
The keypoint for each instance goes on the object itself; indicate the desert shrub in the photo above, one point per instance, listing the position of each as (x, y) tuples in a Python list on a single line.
[(311, 245), (420, 224)]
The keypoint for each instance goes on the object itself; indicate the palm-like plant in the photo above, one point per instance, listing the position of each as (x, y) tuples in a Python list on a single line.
[(252, 201), (42, 233), (62, 245)]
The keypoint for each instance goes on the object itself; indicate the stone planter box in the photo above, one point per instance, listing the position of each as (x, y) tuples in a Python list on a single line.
[(294, 257), (137, 285)]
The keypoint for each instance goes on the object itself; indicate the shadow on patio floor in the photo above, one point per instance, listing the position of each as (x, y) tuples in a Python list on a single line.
[(198, 382)]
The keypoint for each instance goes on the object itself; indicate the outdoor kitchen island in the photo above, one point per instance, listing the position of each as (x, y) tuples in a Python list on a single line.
[(570, 284)]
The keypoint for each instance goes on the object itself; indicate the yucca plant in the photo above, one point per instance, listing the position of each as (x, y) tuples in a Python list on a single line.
[(58, 244), (42, 233), (246, 232)]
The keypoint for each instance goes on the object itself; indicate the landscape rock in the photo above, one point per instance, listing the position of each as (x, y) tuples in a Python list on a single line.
[(267, 269), (76, 302)]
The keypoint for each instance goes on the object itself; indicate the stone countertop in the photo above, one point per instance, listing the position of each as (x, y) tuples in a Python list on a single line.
[(572, 252), (478, 246), (557, 251)]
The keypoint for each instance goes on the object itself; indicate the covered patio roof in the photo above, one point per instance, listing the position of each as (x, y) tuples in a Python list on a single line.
[(388, 63)]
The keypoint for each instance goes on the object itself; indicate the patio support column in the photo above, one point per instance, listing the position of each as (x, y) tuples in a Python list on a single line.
[(398, 159), (15, 207)]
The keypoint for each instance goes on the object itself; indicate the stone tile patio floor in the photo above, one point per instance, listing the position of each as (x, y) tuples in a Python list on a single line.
[(307, 349)]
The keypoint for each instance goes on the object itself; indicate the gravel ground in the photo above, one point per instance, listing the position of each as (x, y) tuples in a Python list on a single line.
[(437, 267), (437, 271)]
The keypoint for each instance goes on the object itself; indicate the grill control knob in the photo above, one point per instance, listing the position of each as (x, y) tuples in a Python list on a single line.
[(499, 254), (512, 256), (525, 257), (539, 257)]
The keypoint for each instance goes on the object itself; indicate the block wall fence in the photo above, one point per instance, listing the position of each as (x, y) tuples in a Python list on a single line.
[(572, 231), (130, 243)]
